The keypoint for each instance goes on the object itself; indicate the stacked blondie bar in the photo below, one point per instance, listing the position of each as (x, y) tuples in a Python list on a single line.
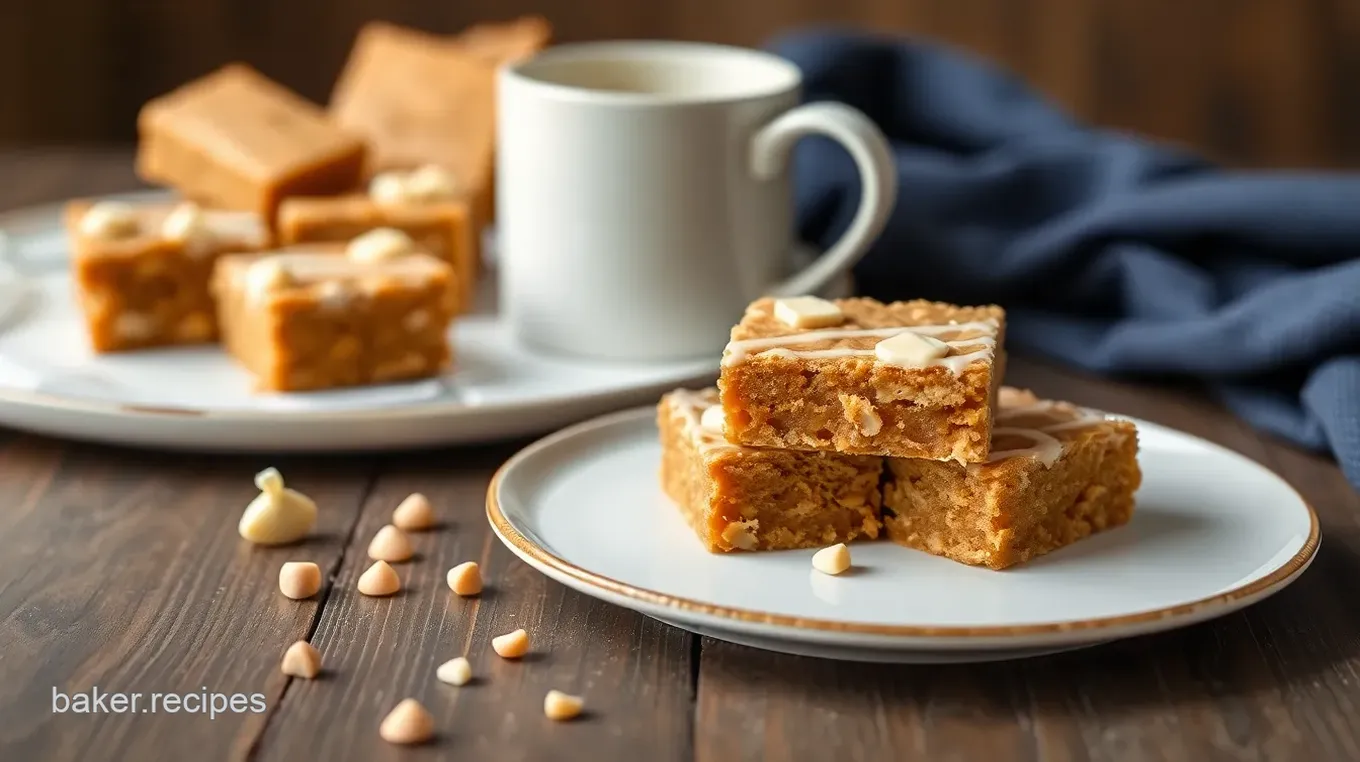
[(324, 247), (844, 420)]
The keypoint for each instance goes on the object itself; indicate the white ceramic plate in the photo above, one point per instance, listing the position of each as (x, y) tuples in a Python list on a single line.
[(1213, 532), (197, 398)]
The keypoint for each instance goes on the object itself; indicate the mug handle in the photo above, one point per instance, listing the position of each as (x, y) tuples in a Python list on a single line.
[(770, 151)]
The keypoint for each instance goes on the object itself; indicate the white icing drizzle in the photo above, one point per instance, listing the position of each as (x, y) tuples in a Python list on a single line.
[(692, 405), (779, 346), (1046, 448)]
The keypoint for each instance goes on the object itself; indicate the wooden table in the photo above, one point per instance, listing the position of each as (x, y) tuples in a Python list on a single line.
[(122, 569)]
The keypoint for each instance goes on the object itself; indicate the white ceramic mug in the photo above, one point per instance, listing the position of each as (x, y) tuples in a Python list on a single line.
[(643, 194)]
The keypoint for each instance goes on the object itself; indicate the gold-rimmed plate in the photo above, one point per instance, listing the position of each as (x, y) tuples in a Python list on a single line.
[(1214, 532)]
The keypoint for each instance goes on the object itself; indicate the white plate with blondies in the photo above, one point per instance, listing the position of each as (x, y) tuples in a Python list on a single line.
[(1211, 533)]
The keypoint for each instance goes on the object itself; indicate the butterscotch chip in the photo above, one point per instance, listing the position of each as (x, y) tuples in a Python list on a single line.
[(278, 515), (561, 706), (511, 645), (414, 514), (236, 140), (302, 660), (299, 579), (379, 580), (455, 671), (832, 560), (466, 578), (409, 723), (390, 544)]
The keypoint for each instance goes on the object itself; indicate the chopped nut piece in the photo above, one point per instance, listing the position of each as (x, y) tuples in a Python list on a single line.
[(414, 513), (302, 660), (741, 534), (110, 220), (390, 544), (380, 244), (299, 579), (832, 560), (466, 578), (455, 671), (910, 349), (379, 580), (277, 515), (808, 312), (561, 706), (408, 724), (511, 645)]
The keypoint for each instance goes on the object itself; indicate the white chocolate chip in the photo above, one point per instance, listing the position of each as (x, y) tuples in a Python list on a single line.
[(910, 349), (431, 183), (109, 220), (712, 419), (416, 320), (389, 189), (414, 514), (832, 560), (188, 225), (379, 580), (455, 671), (380, 245), (807, 312), (560, 706), (134, 326), (390, 544), (299, 579), (465, 578), (407, 724), (266, 276), (302, 660), (741, 535), (277, 515), (511, 645), (334, 295)]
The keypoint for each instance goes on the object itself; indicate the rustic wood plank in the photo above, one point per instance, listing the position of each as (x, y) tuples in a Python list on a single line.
[(634, 672), (122, 569)]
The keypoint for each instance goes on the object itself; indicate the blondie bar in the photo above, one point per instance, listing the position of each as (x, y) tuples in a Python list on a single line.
[(237, 140), (907, 379), (320, 316), (742, 498), (142, 271), (1056, 473)]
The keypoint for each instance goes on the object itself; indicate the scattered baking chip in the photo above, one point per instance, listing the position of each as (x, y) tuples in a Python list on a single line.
[(390, 544), (910, 349), (379, 245), (110, 220), (414, 514), (561, 706), (278, 515), (832, 560), (299, 579), (455, 671), (807, 312), (379, 580), (511, 645), (302, 660), (466, 578), (188, 224), (407, 724)]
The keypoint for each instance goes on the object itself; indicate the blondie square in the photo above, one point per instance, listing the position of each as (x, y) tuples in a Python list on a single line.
[(443, 227), (142, 271), (321, 316), (907, 379), (235, 139), (418, 99), (1057, 473), (741, 498)]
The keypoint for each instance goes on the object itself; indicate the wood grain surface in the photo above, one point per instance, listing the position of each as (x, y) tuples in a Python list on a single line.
[(121, 569)]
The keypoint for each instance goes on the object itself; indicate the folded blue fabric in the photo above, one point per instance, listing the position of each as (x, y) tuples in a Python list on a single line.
[(1109, 253)]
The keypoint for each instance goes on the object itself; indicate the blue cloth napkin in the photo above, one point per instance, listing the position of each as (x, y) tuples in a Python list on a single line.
[(1109, 253)]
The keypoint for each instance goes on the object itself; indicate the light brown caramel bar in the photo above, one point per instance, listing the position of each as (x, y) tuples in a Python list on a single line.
[(237, 140), (312, 317), (139, 287), (1056, 474), (418, 99), (443, 228), (743, 498), (828, 387)]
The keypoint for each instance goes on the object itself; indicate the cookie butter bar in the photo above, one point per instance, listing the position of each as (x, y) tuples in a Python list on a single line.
[(142, 271), (318, 316), (742, 498), (237, 140), (1056, 473), (907, 379), (422, 204)]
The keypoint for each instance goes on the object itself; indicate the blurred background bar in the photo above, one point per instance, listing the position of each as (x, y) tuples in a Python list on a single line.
[(1249, 82)]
